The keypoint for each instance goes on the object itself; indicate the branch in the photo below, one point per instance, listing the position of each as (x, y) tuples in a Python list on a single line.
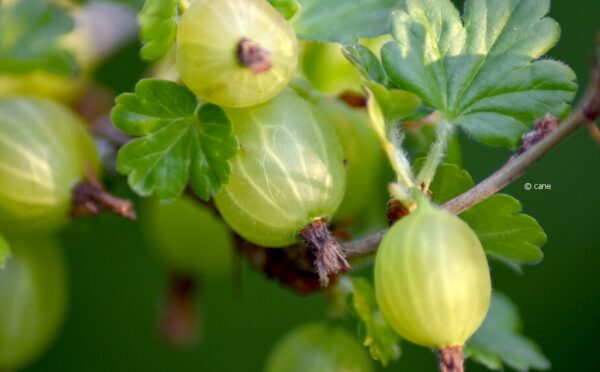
[(516, 166)]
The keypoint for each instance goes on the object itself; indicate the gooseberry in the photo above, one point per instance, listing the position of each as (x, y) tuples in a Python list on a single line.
[(318, 347), (44, 150), (432, 279), (242, 59), (33, 293)]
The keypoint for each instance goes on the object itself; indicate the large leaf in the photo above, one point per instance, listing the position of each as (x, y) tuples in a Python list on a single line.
[(343, 21), (505, 232), (383, 342), (482, 72), (499, 341), (158, 27), (181, 139), (29, 37), (4, 251)]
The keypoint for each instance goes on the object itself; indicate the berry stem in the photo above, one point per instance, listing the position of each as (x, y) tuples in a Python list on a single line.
[(253, 56), (452, 359), (436, 155), (329, 258)]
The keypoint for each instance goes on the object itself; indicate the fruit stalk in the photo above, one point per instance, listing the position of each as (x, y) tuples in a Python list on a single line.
[(451, 359), (329, 258)]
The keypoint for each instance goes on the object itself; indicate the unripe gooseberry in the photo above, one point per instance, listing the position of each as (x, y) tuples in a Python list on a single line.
[(187, 237), (288, 173), (235, 53), (318, 347), (432, 280), (33, 293), (44, 151)]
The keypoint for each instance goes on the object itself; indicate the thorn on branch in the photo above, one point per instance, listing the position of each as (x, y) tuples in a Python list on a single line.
[(542, 128), (451, 359), (253, 56), (90, 198), (329, 258)]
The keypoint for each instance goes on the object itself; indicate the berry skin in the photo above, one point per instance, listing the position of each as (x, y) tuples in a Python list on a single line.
[(432, 280), (319, 347), (288, 173), (362, 152), (44, 152), (235, 53), (33, 294)]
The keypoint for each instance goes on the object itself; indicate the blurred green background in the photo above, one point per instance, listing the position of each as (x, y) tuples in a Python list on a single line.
[(116, 283)]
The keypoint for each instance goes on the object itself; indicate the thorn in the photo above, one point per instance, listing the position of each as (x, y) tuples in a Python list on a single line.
[(542, 128)]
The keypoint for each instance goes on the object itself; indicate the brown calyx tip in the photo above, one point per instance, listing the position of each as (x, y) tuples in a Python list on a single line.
[(328, 256), (90, 198), (179, 320), (452, 359), (253, 56)]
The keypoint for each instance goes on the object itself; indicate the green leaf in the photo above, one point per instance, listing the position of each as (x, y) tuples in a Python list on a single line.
[(383, 342), (365, 62), (4, 251), (343, 21), (29, 38), (499, 341), (180, 139), (158, 28), (288, 8), (478, 71), (504, 231), (506, 234)]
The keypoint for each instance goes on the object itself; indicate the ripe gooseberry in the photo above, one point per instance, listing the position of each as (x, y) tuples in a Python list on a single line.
[(432, 280), (318, 347), (235, 53), (288, 177), (33, 293), (44, 150)]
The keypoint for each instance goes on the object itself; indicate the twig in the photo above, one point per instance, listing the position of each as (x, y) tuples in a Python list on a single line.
[(452, 359), (512, 170)]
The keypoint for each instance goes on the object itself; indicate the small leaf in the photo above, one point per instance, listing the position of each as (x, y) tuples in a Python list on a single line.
[(506, 234), (499, 341), (343, 21), (180, 139), (30, 31), (366, 62), (4, 252), (287, 8), (383, 342), (480, 73), (158, 28)]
